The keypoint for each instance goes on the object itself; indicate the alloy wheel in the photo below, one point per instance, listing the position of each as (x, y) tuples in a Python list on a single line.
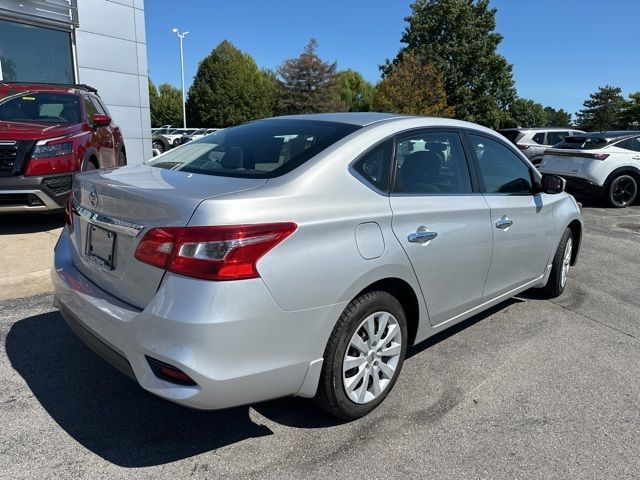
[(624, 190), (372, 357), (566, 262)]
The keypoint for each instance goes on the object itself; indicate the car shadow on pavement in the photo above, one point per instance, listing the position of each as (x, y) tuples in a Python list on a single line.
[(30, 223), (116, 419), (105, 411)]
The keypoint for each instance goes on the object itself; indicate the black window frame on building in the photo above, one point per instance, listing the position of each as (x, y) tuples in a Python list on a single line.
[(59, 36)]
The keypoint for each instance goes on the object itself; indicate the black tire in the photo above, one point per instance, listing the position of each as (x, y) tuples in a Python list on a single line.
[(331, 395), (90, 164), (159, 146), (622, 191), (555, 285)]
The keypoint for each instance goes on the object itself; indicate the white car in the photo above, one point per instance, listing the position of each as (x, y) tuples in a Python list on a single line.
[(175, 137), (604, 164)]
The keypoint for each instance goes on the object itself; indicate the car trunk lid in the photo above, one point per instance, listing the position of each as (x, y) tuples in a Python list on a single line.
[(114, 209)]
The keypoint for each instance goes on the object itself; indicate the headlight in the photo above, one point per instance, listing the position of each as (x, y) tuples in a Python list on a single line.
[(55, 150)]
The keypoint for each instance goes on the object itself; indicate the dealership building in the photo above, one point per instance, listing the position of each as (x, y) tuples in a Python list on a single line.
[(100, 43)]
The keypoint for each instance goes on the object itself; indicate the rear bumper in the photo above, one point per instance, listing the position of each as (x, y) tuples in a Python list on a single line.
[(34, 194), (581, 186), (231, 338)]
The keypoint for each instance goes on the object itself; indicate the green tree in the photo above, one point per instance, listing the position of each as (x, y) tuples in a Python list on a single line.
[(354, 91), (229, 89), (307, 84), (557, 118), (631, 112), (153, 104), (603, 110), (526, 113), (458, 38), (168, 106), (412, 87)]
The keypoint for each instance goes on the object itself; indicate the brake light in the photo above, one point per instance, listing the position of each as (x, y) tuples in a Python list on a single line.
[(212, 253), (68, 212), (522, 146), (599, 156)]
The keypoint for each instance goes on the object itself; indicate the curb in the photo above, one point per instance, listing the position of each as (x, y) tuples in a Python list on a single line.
[(25, 284)]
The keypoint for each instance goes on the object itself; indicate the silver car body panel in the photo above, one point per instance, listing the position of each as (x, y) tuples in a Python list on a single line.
[(216, 331)]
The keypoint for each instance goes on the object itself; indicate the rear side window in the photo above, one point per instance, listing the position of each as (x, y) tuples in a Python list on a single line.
[(553, 138), (501, 169), (512, 135), (539, 138), (632, 144), (582, 143), (375, 165), (431, 163), (260, 149)]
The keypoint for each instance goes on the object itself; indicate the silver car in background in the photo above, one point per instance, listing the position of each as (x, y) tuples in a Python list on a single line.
[(302, 255), (533, 142)]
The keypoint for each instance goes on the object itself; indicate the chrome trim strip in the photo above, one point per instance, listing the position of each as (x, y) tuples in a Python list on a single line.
[(8, 143), (49, 203), (110, 223)]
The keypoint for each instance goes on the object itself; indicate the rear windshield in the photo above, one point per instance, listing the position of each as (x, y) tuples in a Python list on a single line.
[(262, 149), (38, 107), (512, 135), (581, 143)]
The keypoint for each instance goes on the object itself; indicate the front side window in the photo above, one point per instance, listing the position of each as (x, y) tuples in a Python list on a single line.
[(431, 163), (90, 108), (260, 149), (500, 168), (38, 107), (34, 54)]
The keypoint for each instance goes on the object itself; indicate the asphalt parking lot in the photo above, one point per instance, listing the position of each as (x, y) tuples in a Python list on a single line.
[(531, 389)]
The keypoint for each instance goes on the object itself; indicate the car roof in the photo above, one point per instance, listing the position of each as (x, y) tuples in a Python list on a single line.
[(361, 119), (76, 89), (538, 129), (610, 135)]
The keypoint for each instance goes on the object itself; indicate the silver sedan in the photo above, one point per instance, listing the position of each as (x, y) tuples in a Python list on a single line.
[(302, 255)]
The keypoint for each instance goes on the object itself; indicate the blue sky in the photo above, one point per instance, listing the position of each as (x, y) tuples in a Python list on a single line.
[(561, 50)]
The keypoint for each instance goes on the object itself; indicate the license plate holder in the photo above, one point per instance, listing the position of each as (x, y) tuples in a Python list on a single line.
[(101, 246)]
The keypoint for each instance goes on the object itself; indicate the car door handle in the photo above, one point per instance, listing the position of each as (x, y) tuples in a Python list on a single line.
[(422, 235), (635, 157), (504, 223)]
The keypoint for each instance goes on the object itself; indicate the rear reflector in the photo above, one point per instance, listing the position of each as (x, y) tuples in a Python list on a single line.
[(169, 373), (212, 253), (522, 146)]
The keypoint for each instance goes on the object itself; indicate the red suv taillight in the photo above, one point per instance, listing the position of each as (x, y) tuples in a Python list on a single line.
[(212, 253)]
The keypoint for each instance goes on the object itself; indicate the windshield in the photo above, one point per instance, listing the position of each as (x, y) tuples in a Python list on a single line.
[(262, 149), (38, 107)]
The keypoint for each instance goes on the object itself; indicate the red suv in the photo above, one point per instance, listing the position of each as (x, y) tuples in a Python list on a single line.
[(48, 133)]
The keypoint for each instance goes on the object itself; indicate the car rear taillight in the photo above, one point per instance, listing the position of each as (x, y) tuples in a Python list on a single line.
[(598, 156), (68, 212), (212, 253), (522, 146)]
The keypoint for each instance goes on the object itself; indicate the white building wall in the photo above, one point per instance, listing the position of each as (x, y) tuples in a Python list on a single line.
[(111, 49)]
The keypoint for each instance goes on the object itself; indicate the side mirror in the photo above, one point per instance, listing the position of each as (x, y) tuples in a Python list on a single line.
[(553, 184), (100, 120)]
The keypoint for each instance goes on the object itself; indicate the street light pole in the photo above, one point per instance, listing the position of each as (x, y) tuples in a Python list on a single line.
[(181, 36)]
